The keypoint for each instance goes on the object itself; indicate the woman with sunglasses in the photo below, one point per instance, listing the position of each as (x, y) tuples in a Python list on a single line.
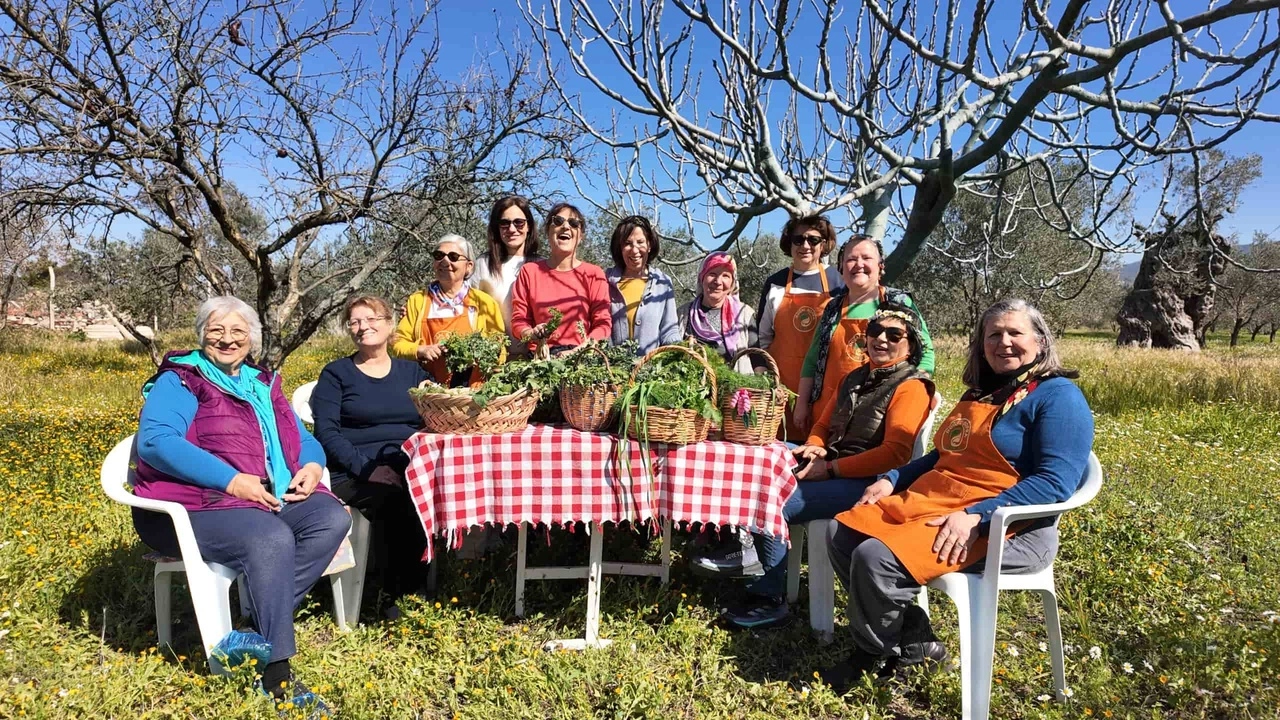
[(449, 306), (870, 429), (562, 282), (363, 414), (793, 299), (642, 299), (839, 344), (512, 242)]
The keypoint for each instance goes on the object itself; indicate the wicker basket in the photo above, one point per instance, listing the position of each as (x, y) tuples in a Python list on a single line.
[(589, 408), (680, 427), (770, 405), (459, 414)]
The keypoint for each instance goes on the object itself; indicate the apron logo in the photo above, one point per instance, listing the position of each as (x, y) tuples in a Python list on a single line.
[(856, 348), (805, 319), (955, 435)]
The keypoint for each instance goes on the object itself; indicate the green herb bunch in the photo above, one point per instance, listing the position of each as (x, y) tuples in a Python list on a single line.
[(479, 350), (672, 381), (548, 330), (541, 377), (586, 366)]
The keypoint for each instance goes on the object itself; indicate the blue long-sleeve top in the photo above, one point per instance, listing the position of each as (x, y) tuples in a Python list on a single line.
[(162, 438), (362, 421), (1047, 438), (656, 321)]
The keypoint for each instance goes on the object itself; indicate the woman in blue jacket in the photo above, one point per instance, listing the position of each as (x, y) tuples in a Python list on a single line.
[(642, 299)]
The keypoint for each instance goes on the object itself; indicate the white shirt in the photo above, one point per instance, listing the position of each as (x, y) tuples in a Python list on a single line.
[(499, 288)]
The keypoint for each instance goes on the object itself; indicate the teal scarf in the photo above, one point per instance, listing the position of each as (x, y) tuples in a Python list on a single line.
[(248, 387)]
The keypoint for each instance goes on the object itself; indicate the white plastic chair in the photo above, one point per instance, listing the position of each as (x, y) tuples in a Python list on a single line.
[(977, 603), (822, 580), (361, 529), (208, 582)]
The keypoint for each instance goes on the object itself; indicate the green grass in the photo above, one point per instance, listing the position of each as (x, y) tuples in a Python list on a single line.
[(1171, 573)]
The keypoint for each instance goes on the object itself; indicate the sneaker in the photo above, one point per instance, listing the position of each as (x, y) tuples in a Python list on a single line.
[(732, 560), (759, 612), (843, 676)]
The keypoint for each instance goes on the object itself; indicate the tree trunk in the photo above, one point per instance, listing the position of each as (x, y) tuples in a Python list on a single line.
[(1253, 334), (1235, 331), (1273, 333), (9, 282)]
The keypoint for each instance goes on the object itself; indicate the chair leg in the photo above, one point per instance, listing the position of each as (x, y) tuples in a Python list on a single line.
[(351, 584), (339, 602), (210, 595), (794, 557), (982, 648), (965, 618), (922, 599), (822, 583), (164, 607), (1054, 626)]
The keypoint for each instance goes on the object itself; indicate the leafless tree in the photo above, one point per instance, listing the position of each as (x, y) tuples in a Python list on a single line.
[(891, 107), (22, 240), (329, 115)]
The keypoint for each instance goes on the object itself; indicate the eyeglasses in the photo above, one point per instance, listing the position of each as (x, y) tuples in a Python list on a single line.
[(892, 334), (218, 333), (363, 322), (438, 255), (810, 240), (518, 223), (558, 220)]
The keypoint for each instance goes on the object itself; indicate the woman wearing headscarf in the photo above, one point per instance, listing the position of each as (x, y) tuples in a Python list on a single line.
[(871, 429), (642, 299), (839, 344), (792, 301), (449, 306), (716, 317), (1020, 435), (217, 436)]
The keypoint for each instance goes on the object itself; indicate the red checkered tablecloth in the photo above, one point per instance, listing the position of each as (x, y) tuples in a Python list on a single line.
[(555, 475)]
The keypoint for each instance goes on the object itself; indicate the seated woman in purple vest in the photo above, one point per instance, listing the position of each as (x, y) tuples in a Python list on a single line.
[(217, 436), (363, 415), (870, 429)]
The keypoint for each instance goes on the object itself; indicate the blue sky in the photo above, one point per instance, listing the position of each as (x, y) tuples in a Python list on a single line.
[(470, 27)]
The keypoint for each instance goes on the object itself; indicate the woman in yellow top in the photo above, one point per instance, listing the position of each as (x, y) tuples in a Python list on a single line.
[(642, 299), (449, 306)]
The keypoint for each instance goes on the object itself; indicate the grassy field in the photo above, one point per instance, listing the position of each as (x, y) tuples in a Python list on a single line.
[(1169, 581)]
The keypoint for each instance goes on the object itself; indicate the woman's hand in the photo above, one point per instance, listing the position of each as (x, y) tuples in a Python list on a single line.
[(810, 452), (817, 469), (876, 491), (250, 487), (304, 483), (538, 332), (801, 414), (958, 533), (430, 353)]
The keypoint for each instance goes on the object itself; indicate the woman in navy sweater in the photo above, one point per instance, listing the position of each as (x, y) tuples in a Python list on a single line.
[(363, 415), (1021, 435)]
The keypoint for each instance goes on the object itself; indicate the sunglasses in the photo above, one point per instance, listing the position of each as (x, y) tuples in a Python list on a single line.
[(810, 240), (558, 220), (518, 223), (892, 334), (438, 255)]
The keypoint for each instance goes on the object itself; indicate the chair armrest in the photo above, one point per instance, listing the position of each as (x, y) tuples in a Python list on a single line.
[(1003, 517)]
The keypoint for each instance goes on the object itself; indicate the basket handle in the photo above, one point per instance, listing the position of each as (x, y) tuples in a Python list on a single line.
[(769, 361), (706, 368)]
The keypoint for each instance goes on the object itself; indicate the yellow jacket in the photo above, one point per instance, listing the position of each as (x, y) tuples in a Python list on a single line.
[(484, 311)]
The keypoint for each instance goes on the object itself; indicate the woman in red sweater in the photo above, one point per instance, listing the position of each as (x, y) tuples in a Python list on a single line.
[(563, 282)]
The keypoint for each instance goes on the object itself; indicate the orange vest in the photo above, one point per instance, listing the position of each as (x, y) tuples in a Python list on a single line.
[(794, 323), (969, 470), (436, 330)]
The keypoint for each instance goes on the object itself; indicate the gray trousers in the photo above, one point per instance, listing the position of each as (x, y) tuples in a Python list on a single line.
[(880, 588)]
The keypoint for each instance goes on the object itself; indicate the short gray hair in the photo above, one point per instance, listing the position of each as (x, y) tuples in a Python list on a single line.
[(460, 242), (1050, 361), (223, 305)]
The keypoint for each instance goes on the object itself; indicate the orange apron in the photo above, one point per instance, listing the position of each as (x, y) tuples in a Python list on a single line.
[(436, 330), (848, 352), (969, 470), (794, 323)]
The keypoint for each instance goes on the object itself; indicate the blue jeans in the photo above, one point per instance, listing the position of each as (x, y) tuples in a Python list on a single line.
[(812, 500), (282, 554)]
